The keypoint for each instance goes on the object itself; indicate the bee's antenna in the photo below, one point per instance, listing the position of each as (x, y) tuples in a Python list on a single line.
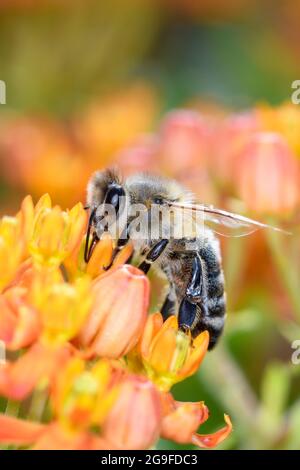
[(87, 251)]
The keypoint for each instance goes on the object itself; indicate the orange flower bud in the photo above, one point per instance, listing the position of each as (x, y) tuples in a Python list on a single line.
[(117, 318), (232, 134), (19, 321), (184, 141), (141, 156), (267, 175), (135, 419)]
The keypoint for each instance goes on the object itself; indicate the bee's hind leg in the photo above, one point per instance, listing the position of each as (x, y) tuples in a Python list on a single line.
[(193, 295)]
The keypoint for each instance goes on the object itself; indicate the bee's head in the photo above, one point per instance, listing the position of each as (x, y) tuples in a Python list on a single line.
[(106, 198), (150, 189), (105, 187)]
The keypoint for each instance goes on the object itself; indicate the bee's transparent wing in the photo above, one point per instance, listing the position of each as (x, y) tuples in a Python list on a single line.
[(233, 224)]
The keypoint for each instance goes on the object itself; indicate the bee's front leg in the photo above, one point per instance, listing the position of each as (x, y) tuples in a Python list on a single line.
[(122, 241), (88, 249), (153, 254)]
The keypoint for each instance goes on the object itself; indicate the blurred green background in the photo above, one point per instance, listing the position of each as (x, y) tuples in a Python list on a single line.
[(56, 55), (84, 79)]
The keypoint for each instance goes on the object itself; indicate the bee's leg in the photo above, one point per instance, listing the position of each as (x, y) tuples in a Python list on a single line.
[(122, 241), (88, 249), (169, 305), (193, 295), (203, 307), (91, 247), (153, 254), (187, 315)]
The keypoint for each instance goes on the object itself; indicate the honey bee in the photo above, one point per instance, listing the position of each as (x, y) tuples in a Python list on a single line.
[(191, 260)]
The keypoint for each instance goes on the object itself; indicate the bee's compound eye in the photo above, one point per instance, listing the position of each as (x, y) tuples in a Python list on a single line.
[(113, 195), (158, 200)]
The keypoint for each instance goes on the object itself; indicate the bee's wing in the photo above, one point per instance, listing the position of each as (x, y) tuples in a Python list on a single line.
[(212, 216)]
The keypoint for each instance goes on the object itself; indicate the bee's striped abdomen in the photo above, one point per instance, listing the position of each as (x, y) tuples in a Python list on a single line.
[(213, 307)]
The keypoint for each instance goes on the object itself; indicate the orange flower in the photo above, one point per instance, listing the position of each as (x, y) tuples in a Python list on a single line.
[(15, 235), (181, 421), (117, 318), (43, 305), (82, 397), (56, 233), (168, 354), (135, 419), (267, 175)]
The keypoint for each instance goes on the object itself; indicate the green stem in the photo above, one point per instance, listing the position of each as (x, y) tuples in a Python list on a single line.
[(224, 379), (12, 408), (285, 267), (37, 406)]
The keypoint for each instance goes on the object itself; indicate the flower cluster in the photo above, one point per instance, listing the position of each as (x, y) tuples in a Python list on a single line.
[(84, 356), (251, 156)]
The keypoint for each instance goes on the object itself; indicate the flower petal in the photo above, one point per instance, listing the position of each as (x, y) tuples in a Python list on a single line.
[(124, 255), (197, 354), (18, 379), (19, 322), (101, 257), (153, 325), (57, 438), (181, 420), (212, 440)]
